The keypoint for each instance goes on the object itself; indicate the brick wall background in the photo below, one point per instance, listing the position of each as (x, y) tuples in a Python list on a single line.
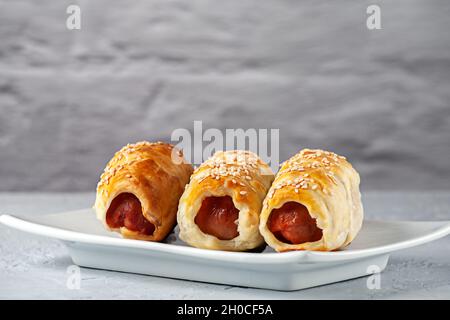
[(139, 69)]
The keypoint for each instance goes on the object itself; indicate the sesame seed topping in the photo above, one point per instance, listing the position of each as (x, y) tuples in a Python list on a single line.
[(302, 170), (240, 166)]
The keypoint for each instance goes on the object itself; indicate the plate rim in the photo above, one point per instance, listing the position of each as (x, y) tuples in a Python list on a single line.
[(20, 223)]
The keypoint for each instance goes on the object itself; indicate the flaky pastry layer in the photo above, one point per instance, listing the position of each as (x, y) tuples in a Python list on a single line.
[(156, 174), (244, 177), (328, 186)]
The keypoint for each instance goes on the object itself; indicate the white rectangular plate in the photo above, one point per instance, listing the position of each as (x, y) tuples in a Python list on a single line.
[(90, 245)]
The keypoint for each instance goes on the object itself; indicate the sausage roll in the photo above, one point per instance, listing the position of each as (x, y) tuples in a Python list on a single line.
[(138, 192), (220, 207), (313, 204)]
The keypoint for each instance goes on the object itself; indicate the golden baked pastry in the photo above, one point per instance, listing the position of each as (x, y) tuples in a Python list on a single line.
[(138, 192), (313, 204), (220, 207)]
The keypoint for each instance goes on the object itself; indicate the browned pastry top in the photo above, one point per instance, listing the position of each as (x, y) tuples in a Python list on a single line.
[(153, 172)]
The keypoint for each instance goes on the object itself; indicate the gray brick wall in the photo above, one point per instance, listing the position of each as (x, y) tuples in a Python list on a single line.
[(139, 69)]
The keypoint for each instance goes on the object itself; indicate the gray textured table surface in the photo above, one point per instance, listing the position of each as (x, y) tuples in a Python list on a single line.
[(36, 267)]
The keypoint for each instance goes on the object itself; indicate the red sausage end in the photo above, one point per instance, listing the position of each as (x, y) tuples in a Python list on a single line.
[(217, 217), (293, 224), (126, 211)]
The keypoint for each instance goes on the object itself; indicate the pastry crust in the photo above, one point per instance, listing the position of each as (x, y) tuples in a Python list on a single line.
[(328, 186), (244, 177), (156, 174)]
